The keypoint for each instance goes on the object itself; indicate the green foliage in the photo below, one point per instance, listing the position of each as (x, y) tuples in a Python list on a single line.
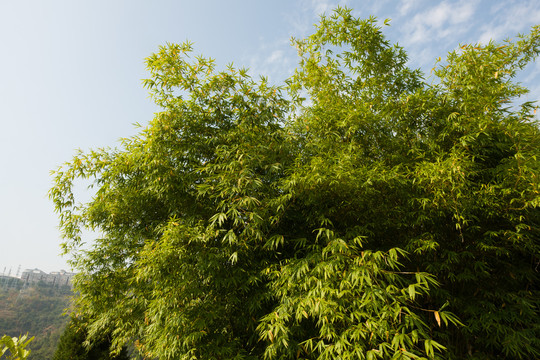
[(72, 345), (16, 347), (342, 216)]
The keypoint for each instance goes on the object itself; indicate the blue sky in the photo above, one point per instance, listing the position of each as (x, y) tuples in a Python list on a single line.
[(70, 76)]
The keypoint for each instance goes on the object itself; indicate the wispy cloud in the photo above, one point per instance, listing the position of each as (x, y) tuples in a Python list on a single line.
[(320, 7), (440, 21), (275, 60), (509, 20), (406, 6)]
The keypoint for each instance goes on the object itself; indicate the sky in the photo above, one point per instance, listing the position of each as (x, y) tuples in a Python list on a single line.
[(71, 76)]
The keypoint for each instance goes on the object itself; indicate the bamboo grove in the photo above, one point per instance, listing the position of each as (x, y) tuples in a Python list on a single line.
[(354, 212)]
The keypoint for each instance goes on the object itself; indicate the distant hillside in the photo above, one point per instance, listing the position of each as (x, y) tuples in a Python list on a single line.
[(37, 310)]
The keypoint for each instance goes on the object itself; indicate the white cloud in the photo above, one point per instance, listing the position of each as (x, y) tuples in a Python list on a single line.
[(463, 12), (509, 20), (492, 32), (440, 21), (437, 16), (275, 56), (275, 60), (406, 6), (321, 6)]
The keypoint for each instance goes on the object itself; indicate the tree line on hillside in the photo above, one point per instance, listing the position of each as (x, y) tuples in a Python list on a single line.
[(356, 212), (35, 318), (38, 311)]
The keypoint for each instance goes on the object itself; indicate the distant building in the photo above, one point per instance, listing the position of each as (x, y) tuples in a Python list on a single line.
[(55, 278), (7, 281)]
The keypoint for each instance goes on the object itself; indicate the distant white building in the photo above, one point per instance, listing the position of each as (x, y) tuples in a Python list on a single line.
[(55, 278), (7, 281)]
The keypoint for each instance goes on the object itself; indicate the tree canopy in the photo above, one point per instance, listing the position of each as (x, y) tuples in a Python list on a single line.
[(356, 212)]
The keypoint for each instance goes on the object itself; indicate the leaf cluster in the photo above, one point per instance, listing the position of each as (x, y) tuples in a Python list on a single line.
[(14, 348)]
